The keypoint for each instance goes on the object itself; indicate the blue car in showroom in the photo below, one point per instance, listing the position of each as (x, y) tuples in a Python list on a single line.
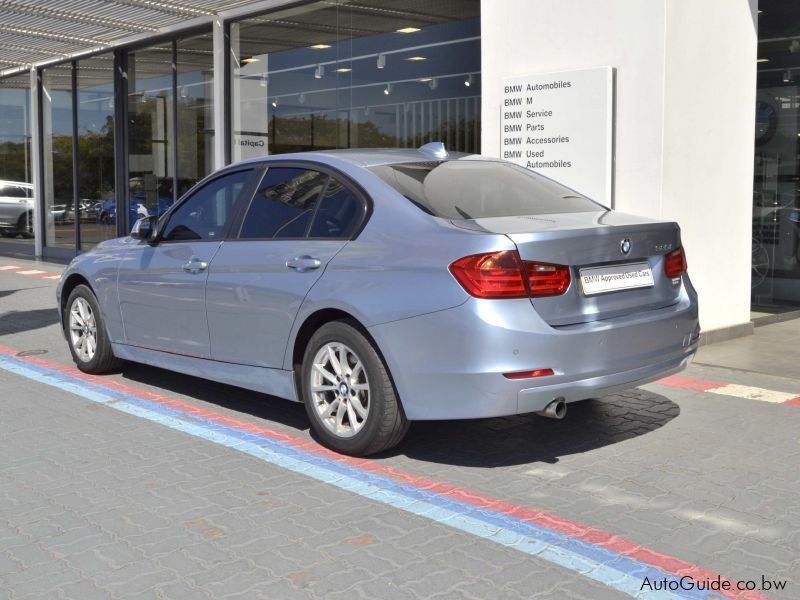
[(380, 287)]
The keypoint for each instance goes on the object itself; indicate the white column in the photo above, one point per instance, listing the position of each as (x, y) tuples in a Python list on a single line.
[(36, 154), (220, 127)]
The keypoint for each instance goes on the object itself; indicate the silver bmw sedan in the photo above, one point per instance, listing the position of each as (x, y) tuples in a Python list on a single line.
[(379, 287)]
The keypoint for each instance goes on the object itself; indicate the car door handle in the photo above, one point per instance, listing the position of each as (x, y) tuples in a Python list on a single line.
[(195, 266), (304, 263)]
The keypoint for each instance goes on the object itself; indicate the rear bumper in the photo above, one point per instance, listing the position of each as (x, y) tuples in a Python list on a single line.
[(450, 364)]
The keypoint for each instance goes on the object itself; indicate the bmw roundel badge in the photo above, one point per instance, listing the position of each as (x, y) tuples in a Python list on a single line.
[(625, 246)]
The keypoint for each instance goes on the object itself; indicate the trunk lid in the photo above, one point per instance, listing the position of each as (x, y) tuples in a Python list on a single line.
[(591, 239)]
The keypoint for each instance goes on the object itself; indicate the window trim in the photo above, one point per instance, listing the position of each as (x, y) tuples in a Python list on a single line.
[(248, 188), (331, 172)]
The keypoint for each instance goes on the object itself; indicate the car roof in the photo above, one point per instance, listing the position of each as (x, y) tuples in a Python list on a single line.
[(371, 157)]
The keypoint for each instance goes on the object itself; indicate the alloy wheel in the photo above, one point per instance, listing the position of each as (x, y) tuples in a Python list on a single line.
[(340, 389), (83, 329)]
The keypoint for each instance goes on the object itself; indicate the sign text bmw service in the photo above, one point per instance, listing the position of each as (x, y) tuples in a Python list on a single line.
[(561, 125)]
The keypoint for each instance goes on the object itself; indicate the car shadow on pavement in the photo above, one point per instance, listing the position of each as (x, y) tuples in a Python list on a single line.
[(497, 442), (262, 406), (523, 439), (17, 321)]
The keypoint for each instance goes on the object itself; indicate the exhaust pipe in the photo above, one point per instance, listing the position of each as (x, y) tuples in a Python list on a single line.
[(557, 409)]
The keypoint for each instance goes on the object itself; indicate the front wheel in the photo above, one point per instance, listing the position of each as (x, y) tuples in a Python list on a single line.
[(348, 393), (86, 333)]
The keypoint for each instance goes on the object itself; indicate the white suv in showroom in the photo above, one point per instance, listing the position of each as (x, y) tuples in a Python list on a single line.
[(16, 208)]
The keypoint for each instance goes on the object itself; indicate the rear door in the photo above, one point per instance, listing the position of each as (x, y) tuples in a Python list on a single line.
[(162, 286), (298, 219)]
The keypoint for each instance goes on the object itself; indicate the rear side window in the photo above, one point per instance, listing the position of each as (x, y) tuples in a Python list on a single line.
[(480, 189), (339, 212), (13, 191), (283, 204)]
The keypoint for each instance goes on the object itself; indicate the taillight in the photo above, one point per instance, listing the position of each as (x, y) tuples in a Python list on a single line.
[(675, 263), (505, 275), (492, 275), (547, 280)]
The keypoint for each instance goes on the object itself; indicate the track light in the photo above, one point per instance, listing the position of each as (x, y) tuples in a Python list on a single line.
[(184, 92), (262, 82), (468, 80), (366, 111), (388, 89), (302, 98), (275, 103), (787, 76), (381, 61), (319, 72), (433, 83)]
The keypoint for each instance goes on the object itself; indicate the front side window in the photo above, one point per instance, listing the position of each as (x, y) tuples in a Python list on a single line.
[(472, 189), (205, 215), (284, 204)]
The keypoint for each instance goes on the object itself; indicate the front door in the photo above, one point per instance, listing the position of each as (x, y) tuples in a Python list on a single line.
[(298, 219), (162, 286)]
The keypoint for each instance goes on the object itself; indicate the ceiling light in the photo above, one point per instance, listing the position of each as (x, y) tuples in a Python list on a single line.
[(388, 89), (787, 77), (762, 60), (408, 30), (468, 80), (343, 70), (319, 71), (416, 58), (434, 83), (275, 102), (426, 79), (250, 59), (381, 61), (320, 46), (262, 83)]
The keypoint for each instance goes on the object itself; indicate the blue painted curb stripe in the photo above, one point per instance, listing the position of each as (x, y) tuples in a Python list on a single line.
[(600, 564)]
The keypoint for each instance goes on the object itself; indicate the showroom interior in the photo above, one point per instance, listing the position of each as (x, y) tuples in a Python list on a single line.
[(123, 133)]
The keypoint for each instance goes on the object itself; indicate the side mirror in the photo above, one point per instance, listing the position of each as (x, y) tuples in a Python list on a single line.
[(145, 229)]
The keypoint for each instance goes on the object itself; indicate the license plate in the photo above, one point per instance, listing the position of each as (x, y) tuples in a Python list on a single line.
[(598, 280)]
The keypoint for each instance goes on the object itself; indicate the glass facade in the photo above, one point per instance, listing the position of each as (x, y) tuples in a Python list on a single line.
[(151, 131), (336, 74), (776, 185), (124, 133), (95, 121), (57, 148), (16, 201)]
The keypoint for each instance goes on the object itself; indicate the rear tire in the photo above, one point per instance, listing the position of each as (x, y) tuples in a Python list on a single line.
[(348, 393), (86, 333)]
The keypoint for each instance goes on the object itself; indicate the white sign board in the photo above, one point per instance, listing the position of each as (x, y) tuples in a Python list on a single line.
[(560, 124)]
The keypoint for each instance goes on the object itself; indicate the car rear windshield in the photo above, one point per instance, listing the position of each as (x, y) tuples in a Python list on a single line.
[(473, 189)]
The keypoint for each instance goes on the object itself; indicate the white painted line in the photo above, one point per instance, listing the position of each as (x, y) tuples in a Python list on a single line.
[(9, 268), (31, 272), (52, 277), (752, 393)]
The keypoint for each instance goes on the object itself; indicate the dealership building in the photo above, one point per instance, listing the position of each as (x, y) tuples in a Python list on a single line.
[(685, 110)]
